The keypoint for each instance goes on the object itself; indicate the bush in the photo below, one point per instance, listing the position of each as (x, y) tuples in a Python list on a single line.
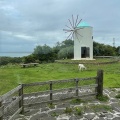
[(13, 60)]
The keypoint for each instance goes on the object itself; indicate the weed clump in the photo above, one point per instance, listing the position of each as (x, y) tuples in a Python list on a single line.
[(51, 105), (78, 111), (68, 110), (54, 114), (98, 108), (117, 96), (77, 101), (103, 98)]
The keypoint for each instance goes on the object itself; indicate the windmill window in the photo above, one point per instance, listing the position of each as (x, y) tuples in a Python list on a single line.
[(85, 52)]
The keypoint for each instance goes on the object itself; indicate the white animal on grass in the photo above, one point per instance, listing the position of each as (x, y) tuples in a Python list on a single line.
[(81, 67)]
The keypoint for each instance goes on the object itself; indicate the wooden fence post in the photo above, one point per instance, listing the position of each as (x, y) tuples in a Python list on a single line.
[(21, 101), (51, 91), (99, 81), (1, 117), (76, 87)]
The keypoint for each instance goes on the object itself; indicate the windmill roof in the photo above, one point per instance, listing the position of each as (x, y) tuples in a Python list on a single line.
[(83, 24)]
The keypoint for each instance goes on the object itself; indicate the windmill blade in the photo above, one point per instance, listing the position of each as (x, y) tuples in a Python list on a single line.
[(69, 35), (77, 37), (72, 38), (79, 28), (79, 34), (76, 21), (68, 27), (73, 21), (72, 28), (67, 30), (70, 23)]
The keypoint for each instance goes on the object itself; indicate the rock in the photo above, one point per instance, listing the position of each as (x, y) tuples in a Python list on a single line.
[(48, 118), (63, 117), (102, 115), (109, 116), (89, 116), (116, 118), (73, 118), (38, 116), (99, 118), (112, 94), (118, 114), (44, 109), (63, 105), (113, 100), (56, 111), (14, 98), (33, 111), (84, 119), (115, 106), (20, 117)]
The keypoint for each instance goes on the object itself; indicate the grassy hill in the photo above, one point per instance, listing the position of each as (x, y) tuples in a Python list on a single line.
[(12, 75)]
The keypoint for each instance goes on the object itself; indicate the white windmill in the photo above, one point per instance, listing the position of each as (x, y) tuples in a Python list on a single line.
[(81, 33)]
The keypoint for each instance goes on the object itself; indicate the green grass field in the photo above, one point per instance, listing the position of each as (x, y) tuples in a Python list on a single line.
[(12, 75)]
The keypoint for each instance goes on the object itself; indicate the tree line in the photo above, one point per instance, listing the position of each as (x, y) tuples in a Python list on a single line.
[(62, 50)]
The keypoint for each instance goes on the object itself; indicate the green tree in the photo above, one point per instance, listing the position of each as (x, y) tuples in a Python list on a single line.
[(67, 43), (29, 59), (44, 53), (103, 50), (13, 60), (66, 52)]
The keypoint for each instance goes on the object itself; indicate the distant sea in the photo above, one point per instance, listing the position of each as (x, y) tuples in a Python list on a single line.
[(14, 54)]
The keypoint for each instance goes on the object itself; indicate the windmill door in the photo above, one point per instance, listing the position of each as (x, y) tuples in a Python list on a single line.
[(85, 52)]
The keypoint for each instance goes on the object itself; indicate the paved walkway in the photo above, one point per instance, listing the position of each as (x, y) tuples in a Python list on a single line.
[(86, 109)]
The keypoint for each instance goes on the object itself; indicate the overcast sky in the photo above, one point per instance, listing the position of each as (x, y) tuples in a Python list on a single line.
[(27, 23)]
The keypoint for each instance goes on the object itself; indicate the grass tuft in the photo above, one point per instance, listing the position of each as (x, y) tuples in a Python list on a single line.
[(77, 101), (103, 98), (78, 111), (68, 110), (117, 96)]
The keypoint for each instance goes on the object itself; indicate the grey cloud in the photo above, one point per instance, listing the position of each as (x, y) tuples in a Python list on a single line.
[(33, 22)]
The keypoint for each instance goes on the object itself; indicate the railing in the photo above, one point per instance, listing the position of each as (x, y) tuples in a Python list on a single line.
[(34, 94), (11, 103)]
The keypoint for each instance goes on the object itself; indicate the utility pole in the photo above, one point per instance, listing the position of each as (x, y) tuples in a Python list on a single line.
[(113, 42)]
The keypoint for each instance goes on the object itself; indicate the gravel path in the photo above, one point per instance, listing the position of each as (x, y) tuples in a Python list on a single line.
[(88, 108)]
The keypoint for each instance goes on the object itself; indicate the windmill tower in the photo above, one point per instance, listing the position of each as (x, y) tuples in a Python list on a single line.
[(81, 33)]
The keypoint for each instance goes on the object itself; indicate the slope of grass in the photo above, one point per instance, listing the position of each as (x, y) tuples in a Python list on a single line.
[(96, 60), (12, 75)]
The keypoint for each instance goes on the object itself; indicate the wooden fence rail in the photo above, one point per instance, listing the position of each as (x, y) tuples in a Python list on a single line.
[(98, 85), (4, 109)]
